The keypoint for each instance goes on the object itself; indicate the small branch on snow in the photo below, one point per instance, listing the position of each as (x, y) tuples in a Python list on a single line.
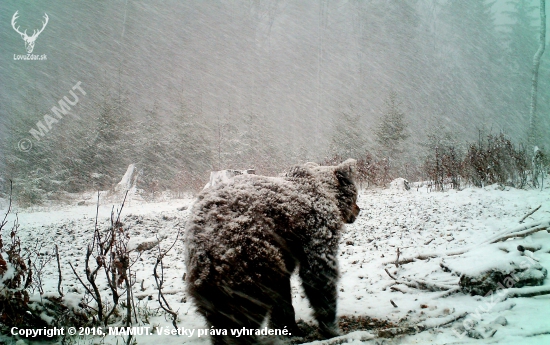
[(447, 293), (155, 291), (526, 292), (159, 280), (408, 260), (396, 331), (490, 335), (424, 285), (440, 322), (518, 231), (361, 336), (4, 222), (59, 289), (430, 241), (402, 289), (537, 334), (397, 260), (80, 280), (388, 272), (522, 233), (530, 213), (393, 332)]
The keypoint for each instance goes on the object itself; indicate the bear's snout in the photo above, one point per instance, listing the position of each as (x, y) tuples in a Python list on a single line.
[(354, 213)]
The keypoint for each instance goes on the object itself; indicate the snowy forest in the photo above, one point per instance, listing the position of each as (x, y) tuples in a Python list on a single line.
[(122, 121), (183, 88)]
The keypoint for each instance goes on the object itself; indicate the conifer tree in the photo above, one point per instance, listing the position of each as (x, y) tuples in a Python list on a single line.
[(347, 141), (392, 128)]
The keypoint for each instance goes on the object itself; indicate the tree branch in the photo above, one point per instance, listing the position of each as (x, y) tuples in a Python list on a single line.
[(530, 213)]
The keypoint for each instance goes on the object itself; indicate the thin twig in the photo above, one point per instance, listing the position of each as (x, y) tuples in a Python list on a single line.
[(121, 207), (526, 292), (38, 262), (96, 230), (421, 327), (530, 213), (59, 289), (161, 299), (361, 336), (424, 285), (402, 289), (397, 260), (447, 293), (520, 231), (517, 230), (160, 281), (388, 272), (80, 280), (4, 221)]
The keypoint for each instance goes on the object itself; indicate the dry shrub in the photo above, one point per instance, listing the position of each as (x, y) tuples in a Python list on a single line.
[(495, 159), (443, 167), (370, 170), (15, 279), (17, 307)]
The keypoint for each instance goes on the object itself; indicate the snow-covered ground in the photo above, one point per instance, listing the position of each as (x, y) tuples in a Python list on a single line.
[(414, 222)]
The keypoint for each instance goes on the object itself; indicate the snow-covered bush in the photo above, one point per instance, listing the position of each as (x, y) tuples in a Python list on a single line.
[(442, 166), (28, 191), (493, 159), (539, 166), (496, 160), (19, 307), (15, 280), (370, 170)]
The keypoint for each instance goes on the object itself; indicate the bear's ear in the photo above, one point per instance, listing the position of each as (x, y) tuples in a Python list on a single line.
[(299, 172), (343, 178), (348, 166), (345, 172), (310, 165)]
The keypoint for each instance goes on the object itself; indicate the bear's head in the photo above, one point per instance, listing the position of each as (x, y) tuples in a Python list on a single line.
[(339, 181)]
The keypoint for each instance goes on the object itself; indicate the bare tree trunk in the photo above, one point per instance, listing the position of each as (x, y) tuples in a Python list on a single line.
[(536, 62), (322, 23)]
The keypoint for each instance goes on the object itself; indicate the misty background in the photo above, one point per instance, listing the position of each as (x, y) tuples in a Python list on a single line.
[(185, 87)]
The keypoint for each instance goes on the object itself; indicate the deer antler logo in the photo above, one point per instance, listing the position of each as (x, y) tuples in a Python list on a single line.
[(29, 40)]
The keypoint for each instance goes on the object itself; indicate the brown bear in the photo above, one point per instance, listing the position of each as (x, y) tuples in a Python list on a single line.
[(244, 238)]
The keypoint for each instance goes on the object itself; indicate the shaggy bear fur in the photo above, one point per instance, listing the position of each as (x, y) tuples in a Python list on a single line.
[(245, 238)]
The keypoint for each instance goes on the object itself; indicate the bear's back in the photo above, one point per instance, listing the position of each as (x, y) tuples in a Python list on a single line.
[(239, 228)]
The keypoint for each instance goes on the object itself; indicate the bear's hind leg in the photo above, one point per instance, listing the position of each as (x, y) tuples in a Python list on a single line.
[(243, 315), (282, 314), (320, 289)]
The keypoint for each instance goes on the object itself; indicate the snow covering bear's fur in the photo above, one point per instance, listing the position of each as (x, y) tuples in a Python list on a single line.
[(244, 239)]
